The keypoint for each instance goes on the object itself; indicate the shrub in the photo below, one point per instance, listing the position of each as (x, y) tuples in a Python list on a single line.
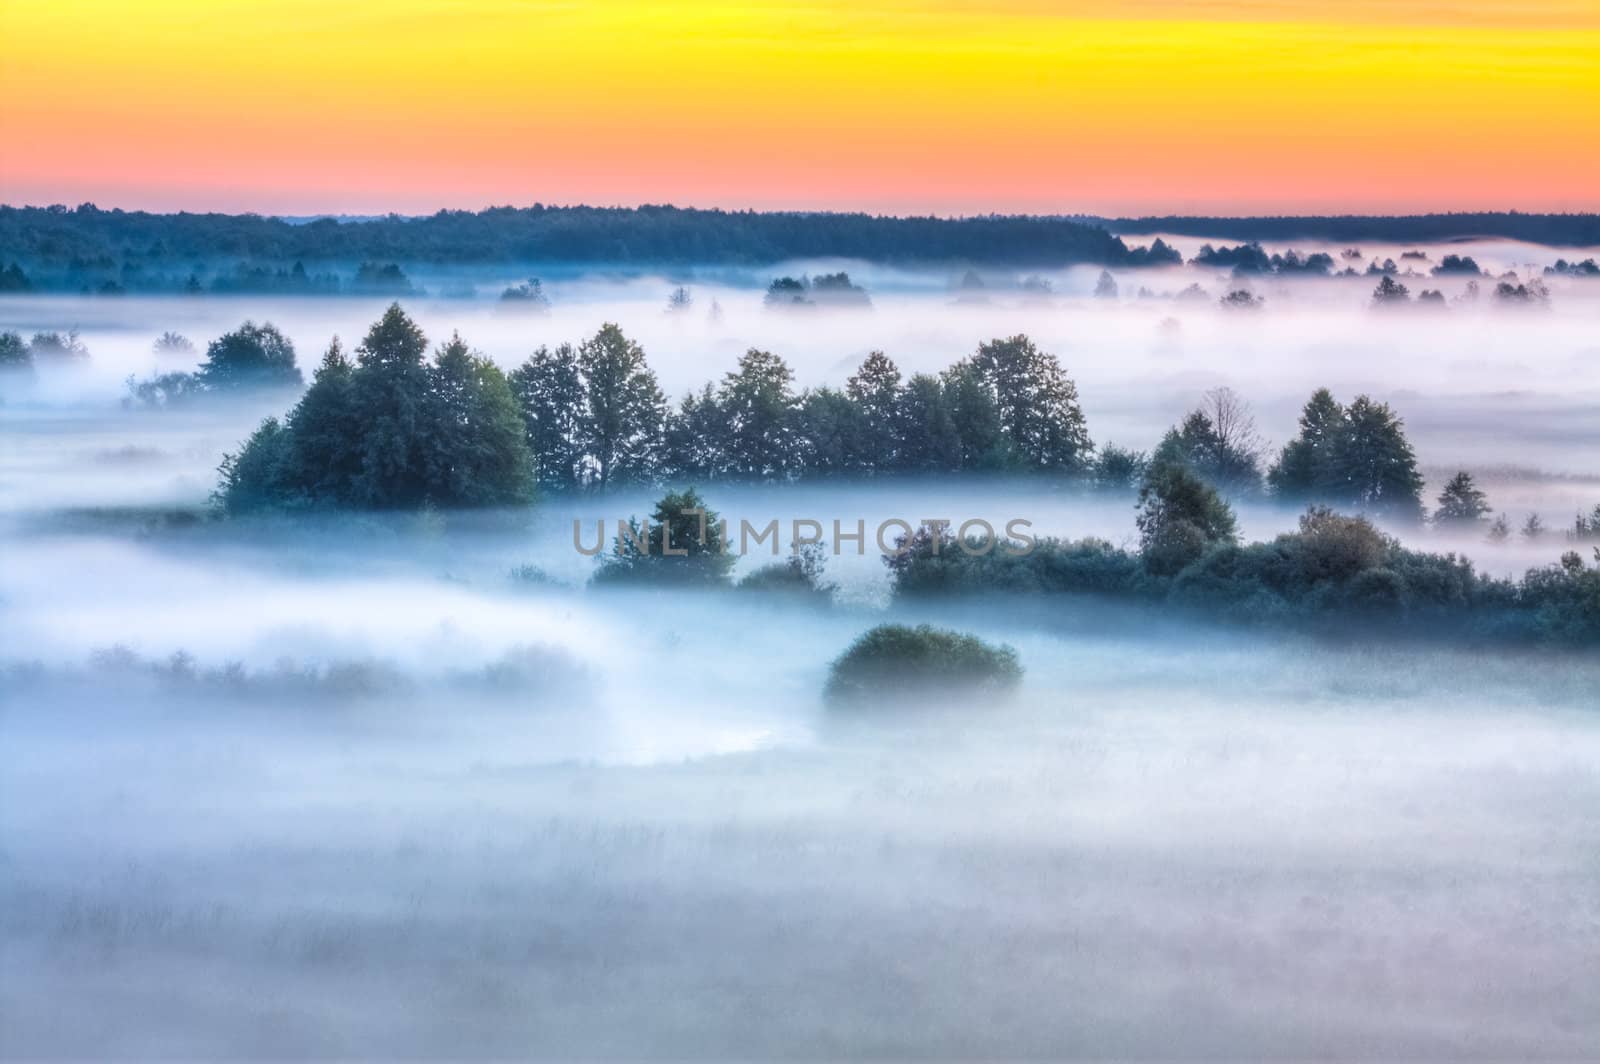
[(894, 660), (798, 576), (680, 545)]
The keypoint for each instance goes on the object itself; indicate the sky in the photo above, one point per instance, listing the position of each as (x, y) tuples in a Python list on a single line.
[(944, 106)]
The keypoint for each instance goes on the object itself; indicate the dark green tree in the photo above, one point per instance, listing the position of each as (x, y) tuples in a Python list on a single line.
[(252, 356), (829, 427), (681, 545), (1373, 465), (929, 442), (549, 390), (1461, 504), (254, 478), (624, 408), (758, 406), (975, 416), (1180, 518), (1038, 404), (325, 453), (695, 440), (875, 389), (1305, 469), (476, 449), (390, 388)]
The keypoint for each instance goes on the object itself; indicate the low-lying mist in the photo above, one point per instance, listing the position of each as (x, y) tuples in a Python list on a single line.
[(406, 784)]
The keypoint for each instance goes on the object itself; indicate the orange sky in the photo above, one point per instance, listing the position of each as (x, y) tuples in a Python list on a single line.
[(950, 106)]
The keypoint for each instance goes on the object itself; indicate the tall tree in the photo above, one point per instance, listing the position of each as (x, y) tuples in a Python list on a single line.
[(549, 390), (1180, 518), (390, 387), (325, 454), (875, 389), (1305, 468), (758, 405), (696, 445), (1374, 466), (624, 407), (975, 417), (929, 440), (829, 430), (477, 450), (1038, 406)]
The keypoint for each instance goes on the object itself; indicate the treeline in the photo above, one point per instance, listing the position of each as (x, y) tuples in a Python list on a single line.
[(1555, 230), (392, 429), (124, 245), (1335, 573)]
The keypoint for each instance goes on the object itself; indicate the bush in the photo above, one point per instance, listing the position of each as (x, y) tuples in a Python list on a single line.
[(681, 545), (797, 576), (897, 661)]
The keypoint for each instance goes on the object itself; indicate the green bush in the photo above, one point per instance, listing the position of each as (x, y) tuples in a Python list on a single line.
[(896, 661), (694, 536)]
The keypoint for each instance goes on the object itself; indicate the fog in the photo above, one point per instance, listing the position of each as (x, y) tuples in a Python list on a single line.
[(348, 786)]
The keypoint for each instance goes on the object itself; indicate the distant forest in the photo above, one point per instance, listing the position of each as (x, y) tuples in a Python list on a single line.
[(54, 238), (86, 249), (1554, 230)]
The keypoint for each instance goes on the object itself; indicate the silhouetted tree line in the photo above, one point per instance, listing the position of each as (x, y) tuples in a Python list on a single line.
[(136, 250), (593, 416), (1555, 230)]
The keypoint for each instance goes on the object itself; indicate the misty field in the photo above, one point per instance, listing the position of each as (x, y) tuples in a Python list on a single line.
[(402, 784)]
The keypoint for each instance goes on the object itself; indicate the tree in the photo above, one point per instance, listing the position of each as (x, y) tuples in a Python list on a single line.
[(1242, 299), (1038, 406), (975, 417), (695, 439), (527, 296), (624, 407), (1180, 518), (16, 360), (875, 389), (1119, 469), (1106, 286), (758, 406), (325, 453), (1533, 528), (1219, 443), (1461, 504), (1500, 530), (64, 347), (476, 450), (252, 356), (1305, 468), (1373, 464), (680, 301), (549, 391), (252, 479), (1390, 293), (389, 395), (681, 545), (173, 345), (829, 427), (929, 441), (787, 293)]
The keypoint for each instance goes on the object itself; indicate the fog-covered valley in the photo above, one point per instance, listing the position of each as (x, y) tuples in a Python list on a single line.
[(404, 784)]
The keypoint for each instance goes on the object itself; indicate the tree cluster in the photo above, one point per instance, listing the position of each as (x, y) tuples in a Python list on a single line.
[(390, 430), (1335, 572)]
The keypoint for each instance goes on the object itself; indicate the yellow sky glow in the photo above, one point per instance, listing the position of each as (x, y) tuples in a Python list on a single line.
[(1146, 106)]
